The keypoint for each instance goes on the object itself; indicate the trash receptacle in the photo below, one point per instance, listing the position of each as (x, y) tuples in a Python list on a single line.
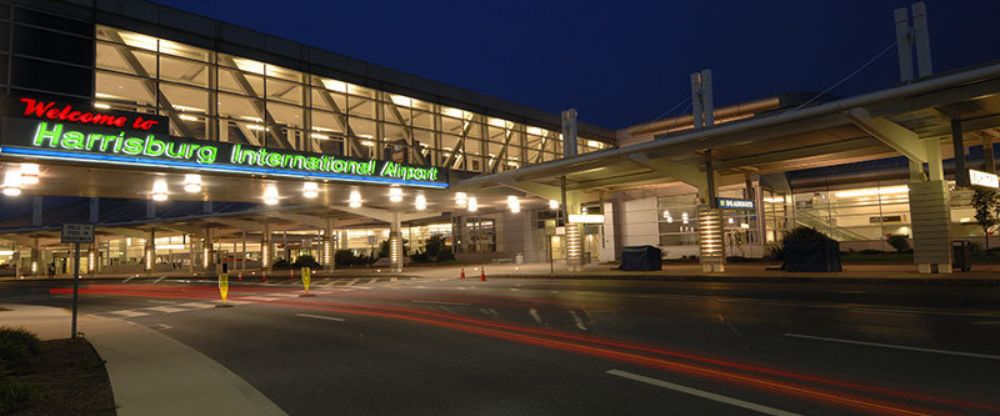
[(519, 258), (961, 255)]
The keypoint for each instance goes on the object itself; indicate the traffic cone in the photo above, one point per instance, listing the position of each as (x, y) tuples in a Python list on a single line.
[(462, 276), (482, 274), (291, 274), (263, 276)]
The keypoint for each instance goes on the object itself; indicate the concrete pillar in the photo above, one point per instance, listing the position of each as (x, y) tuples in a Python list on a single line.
[(243, 250), (266, 250), (711, 242), (329, 245), (395, 244), (36, 258), (930, 215), (149, 252), (208, 250), (988, 157), (569, 129)]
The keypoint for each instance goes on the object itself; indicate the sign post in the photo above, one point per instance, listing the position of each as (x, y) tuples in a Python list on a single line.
[(76, 234), (224, 291), (306, 278)]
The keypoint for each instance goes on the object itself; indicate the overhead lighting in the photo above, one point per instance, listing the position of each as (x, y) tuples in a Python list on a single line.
[(461, 198), (192, 183), (514, 204), (12, 182), (160, 190), (885, 190), (102, 106), (684, 218), (29, 173), (186, 117), (354, 201), (472, 204), (334, 85), (271, 195), (421, 202), (553, 204), (310, 190), (396, 194), (319, 136)]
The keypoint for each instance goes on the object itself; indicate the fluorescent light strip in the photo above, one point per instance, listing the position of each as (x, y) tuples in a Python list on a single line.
[(123, 160)]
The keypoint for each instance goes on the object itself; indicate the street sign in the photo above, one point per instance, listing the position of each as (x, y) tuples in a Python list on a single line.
[(78, 233), (984, 179), (734, 203)]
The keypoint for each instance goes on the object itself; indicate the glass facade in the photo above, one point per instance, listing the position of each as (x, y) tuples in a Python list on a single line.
[(220, 97)]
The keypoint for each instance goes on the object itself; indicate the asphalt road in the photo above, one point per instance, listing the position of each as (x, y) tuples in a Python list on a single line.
[(533, 347)]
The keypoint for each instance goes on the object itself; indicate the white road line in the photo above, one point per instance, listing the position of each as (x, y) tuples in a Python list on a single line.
[(328, 318), (161, 327), (128, 279), (441, 302), (353, 281), (285, 295), (167, 309), (535, 315), (159, 280), (129, 313), (259, 298), (514, 289), (701, 393), (162, 302), (897, 347), (372, 282), (576, 318), (198, 305)]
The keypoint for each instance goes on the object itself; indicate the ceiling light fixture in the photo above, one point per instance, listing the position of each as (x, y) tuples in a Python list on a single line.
[(271, 196), (461, 198), (29, 173), (160, 190), (396, 194), (310, 190), (421, 202), (355, 199), (12, 182), (472, 204), (553, 204), (192, 183)]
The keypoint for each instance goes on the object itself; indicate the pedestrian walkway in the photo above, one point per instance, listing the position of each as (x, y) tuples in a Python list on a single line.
[(151, 373)]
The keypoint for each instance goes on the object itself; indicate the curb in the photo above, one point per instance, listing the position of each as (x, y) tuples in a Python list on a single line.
[(946, 281)]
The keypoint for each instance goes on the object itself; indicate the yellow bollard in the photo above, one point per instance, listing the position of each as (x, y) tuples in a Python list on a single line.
[(306, 277), (224, 291)]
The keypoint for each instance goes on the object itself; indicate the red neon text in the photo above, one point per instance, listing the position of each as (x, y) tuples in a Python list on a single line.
[(49, 110)]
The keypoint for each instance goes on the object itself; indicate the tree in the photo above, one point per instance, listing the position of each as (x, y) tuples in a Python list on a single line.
[(987, 205)]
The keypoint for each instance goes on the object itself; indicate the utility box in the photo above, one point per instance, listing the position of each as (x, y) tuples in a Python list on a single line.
[(961, 255)]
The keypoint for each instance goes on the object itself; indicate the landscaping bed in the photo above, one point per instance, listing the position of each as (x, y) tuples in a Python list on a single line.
[(58, 377)]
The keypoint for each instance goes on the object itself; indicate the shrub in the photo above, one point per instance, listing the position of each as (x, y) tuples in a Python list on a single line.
[(306, 261), (281, 264), (17, 346), (14, 395), (900, 242), (344, 258), (776, 252), (804, 234)]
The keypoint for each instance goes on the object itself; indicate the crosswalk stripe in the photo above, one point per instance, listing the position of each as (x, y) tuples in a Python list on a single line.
[(167, 309), (129, 313)]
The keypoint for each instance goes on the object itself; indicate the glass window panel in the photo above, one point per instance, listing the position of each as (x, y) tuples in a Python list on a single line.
[(238, 107), (476, 130), (423, 138), (184, 98), (274, 71), (323, 121), (360, 91), (123, 88), (452, 125), (393, 132), (197, 124), (326, 100), (285, 115), (449, 142), (239, 82), (179, 49), (361, 106), (495, 149), (284, 91), (110, 56), (423, 119), (473, 146), (403, 116), (184, 71), (363, 128)]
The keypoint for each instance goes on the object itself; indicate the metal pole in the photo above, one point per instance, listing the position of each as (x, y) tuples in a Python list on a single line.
[(552, 267), (76, 287)]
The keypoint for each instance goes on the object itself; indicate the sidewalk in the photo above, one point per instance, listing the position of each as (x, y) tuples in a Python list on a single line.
[(151, 373)]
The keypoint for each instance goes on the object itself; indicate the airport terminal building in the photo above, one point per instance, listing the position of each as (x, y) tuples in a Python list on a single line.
[(191, 143)]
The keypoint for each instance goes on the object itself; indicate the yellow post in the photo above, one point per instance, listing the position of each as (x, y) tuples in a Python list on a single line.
[(306, 277), (224, 289)]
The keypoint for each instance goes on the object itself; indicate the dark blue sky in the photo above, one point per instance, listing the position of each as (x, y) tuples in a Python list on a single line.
[(623, 62)]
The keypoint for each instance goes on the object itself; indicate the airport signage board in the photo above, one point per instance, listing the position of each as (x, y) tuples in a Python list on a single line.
[(984, 179), (734, 203), (55, 131), (77, 233)]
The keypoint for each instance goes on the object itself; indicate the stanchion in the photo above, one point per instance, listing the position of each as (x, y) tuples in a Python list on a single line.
[(224, 291), (462, 276), (263, 276), (306, 277), (239, 276), (482, 274)]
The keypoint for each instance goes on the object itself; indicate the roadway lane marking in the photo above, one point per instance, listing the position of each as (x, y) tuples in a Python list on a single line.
[(285, 295), (328, 318), (198, 305), (127, 279), (372, 282), (701, 393), (162, 302), (259, 298), (897, 347), (129, 313), (167, 309), (353, 281), (576, 318), (535, 315), (441, 302), (159, 280)]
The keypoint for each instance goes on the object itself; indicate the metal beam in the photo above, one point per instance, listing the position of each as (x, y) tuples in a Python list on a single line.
[(261, 109), (688, 174), (797, 153), (899, 138)]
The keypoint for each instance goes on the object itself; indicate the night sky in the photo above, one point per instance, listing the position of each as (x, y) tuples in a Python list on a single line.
[(623, 62)]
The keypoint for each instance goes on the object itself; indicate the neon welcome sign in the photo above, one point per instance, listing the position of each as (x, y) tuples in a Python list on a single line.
[(64, 133)]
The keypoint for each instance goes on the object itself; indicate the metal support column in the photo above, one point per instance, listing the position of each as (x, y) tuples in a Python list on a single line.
[(395, 244), (149, 253), (329, 245)]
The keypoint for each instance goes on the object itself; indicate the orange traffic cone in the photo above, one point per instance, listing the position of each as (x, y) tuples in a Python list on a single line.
[(482, 274), (462, 276)]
